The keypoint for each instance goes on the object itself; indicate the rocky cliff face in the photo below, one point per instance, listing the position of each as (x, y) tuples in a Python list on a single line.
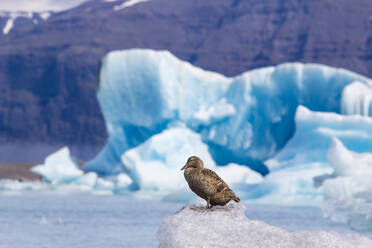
[(48, 67)]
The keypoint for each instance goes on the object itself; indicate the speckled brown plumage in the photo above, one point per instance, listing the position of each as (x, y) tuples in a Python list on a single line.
[(207, 184)]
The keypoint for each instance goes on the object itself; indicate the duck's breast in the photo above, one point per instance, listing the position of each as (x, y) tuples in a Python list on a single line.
[(197, 184)]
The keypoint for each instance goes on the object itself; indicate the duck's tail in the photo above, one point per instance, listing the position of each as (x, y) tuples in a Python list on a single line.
[(234, 197), (237, 199)]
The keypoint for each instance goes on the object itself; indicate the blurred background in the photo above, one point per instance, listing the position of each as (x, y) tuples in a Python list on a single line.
[(50, 51)]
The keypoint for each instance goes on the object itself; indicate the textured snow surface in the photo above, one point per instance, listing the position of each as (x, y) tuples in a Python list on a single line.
[(348, 196), (193, 226)]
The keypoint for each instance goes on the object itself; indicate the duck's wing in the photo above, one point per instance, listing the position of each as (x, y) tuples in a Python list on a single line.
[(214, 182)]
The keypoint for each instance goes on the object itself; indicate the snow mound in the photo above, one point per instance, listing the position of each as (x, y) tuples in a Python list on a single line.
[(58, 167), (193, 226), (245, 119), (348, 196)]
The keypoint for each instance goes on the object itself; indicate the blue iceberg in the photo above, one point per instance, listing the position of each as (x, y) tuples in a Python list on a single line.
[(266, 132), (246, 119)]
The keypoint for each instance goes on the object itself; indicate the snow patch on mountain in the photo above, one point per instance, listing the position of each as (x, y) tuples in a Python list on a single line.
[(13, 16), (127, 4)]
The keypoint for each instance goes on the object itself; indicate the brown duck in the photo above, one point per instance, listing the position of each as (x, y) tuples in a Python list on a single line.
[(207, 184)]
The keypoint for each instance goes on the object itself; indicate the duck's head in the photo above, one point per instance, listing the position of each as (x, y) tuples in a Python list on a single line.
[(193, 162)]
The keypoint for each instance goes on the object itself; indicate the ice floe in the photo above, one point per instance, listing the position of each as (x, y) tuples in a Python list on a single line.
[(193, 226)]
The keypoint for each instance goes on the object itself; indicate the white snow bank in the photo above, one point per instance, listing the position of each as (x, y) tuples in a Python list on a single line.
[(348, 197), (228, 226)]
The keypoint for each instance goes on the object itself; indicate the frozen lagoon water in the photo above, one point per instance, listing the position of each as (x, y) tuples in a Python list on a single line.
[(47, 219)]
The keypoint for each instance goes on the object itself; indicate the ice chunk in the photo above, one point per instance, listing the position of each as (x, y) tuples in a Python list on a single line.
[(8, 185), (314, 132), (156, 164), (105, 185), (357, 99), (298, 170), (246, 119), (89, 180), (123, 182), (64, 175), (348, 197), (293, 186), (193, 226), (348, 163), (166, 90), (58, 168)]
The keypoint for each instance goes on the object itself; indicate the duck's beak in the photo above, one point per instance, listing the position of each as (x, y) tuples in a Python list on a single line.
[(184, 167)]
